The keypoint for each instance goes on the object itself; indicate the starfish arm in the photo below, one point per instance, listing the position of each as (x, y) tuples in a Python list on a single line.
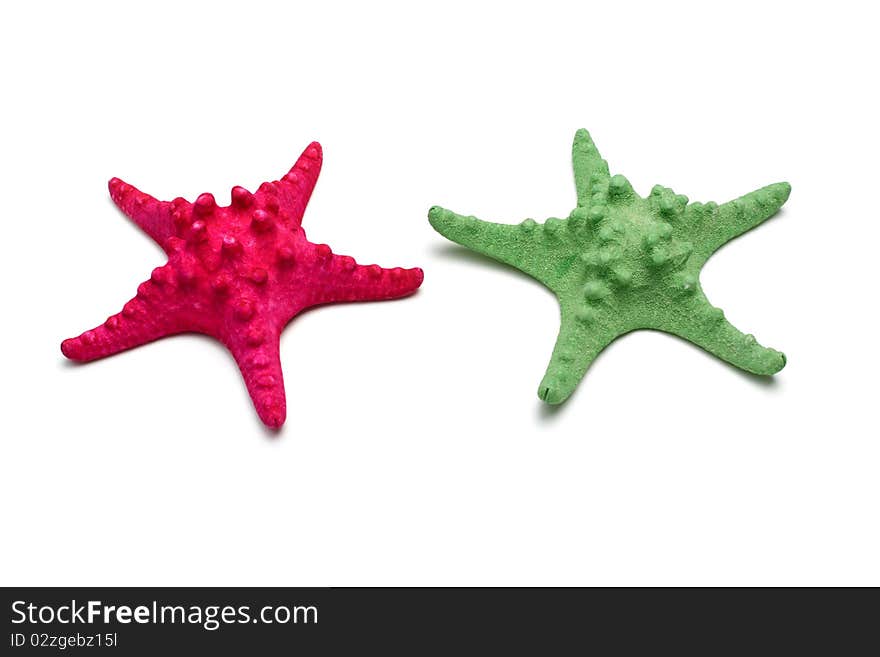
[(583, 334), (519, 246), (296, 186), (345, 280), (738, 216), (152, 215), (704, 325), (589, 167), (145, 318), (260, 366)]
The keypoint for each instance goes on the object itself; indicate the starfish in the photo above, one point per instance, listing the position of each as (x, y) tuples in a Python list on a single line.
[(238, 274), (620, 262)]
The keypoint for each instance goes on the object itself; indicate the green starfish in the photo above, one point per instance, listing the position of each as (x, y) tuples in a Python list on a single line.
[(620, 262)]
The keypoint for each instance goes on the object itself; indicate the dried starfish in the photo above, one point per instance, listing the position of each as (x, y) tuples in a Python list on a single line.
[(239, 274), (620, 262)]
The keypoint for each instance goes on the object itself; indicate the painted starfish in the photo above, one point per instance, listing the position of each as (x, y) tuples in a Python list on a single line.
[(620, 262), (239, 274)]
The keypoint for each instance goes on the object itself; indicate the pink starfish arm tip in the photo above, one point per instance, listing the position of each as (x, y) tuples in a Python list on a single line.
[(143, 319), (349, 281), (151, 214), (296, 186), (260, 365)]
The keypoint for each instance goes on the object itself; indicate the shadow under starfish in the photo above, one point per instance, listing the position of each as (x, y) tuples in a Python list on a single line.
[(620, 263)]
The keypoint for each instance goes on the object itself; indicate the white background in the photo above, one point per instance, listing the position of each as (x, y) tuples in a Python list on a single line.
[(416, 450)]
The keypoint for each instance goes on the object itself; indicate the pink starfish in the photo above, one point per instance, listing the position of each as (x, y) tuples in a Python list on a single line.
[(239, 274)]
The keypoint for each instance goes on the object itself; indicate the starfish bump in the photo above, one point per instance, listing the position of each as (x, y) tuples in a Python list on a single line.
[(620, 262), (239, 274)]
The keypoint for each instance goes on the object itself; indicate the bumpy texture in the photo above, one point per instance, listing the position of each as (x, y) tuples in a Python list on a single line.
[(239, 274), (620, 262)]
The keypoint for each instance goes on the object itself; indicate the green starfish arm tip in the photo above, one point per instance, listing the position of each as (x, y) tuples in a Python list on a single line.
[(514, 245), (437, 216), (620, 262), (740, 215)]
